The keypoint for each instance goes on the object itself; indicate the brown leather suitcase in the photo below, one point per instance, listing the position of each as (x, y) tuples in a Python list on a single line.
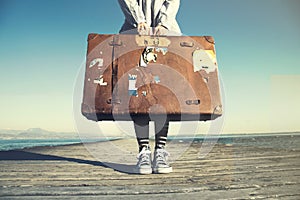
[(134, 75)]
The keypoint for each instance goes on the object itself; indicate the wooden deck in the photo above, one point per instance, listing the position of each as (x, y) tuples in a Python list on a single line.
[(241, 168)]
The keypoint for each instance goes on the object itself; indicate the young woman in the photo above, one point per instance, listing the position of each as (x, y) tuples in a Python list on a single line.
[(141, 15), (157, 17)]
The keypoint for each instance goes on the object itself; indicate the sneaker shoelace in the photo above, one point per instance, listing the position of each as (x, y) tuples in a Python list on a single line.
[(161, 157), (143, 158)]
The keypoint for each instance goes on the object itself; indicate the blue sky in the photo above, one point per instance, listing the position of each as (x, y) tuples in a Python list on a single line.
[(43, 44)]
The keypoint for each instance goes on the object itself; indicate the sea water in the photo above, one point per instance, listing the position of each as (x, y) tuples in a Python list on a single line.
[(284, 141), (6, 145)]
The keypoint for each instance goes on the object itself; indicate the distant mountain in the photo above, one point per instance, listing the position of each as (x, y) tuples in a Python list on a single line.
[(35, 133), (9, 131)]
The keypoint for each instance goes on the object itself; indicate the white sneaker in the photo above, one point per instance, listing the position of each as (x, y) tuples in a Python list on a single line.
[(143, 165), (160, 162)]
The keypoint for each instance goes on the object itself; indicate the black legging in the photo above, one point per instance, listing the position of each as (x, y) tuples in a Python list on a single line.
[(141, 126)]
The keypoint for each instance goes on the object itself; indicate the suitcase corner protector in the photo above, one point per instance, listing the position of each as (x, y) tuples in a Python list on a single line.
[(210, 39), (92, 36)]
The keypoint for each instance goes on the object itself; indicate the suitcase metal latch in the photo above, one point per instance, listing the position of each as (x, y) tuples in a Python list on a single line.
[(192, 102), (115, 101), (187, 44)]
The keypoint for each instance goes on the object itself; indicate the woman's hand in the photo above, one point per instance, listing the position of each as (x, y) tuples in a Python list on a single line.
[(160, 30), (143, 28)]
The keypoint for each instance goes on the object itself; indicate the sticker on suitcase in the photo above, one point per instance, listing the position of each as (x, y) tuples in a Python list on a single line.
[(204, 60), (148, 56), (95, 61), (132, 89), (163, 50), (146, 40), (100, 81), (156, 79)]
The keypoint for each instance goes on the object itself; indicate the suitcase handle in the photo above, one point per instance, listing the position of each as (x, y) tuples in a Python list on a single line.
[(116, 41), (187, 44)]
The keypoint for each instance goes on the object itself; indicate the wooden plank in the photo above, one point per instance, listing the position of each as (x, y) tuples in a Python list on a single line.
[(227, 172)]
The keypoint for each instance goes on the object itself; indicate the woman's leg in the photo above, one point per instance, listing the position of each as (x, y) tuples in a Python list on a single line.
[(141, 127), (161, 133), (160, 161)]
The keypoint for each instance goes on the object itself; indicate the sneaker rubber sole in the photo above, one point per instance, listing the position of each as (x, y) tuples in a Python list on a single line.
[(162, 170), (143, 170)]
